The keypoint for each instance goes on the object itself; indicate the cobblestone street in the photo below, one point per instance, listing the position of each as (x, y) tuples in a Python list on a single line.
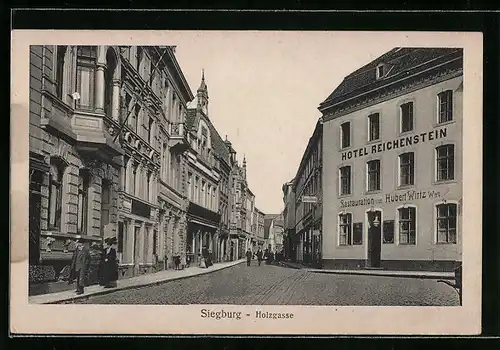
[(274, 285)]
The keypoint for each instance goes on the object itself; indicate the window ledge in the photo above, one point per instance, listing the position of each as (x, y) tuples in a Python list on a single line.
[(405, 187), (449, 122), (444, 182)]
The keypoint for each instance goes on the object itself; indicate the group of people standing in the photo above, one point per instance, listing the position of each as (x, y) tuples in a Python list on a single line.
[(108, 265), (266, 255)]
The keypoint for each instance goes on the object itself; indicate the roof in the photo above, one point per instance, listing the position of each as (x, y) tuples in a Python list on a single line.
[(399, 61)]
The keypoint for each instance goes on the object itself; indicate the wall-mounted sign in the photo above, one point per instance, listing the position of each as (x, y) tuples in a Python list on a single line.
[(395, 144), (141, 209), (394, 197), (309, 199)]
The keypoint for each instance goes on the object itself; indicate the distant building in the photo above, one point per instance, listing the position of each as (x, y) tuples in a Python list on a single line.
[(308, 214), (289, 238), (393, 171), (273, 226)]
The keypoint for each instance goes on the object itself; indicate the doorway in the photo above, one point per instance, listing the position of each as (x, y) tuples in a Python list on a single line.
[(374, 219), (137, 251)]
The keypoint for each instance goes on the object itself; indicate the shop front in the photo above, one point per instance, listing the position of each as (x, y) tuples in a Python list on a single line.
[(202, 233)]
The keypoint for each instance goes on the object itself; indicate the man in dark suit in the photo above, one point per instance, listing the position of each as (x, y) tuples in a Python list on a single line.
[(80, 264)]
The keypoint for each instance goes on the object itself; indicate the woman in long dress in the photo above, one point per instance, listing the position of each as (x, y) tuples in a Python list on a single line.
[(110, 265)]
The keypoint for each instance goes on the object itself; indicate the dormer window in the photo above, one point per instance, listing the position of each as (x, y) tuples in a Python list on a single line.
[(381, 71)]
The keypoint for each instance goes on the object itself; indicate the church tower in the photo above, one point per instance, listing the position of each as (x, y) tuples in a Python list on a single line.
[(202, 95)]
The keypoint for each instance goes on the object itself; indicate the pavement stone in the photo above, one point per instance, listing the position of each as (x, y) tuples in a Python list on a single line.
[(277, 285)]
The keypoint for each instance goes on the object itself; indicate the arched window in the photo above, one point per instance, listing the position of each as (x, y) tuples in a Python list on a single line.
[(59, 78), (111, 63), (55, 193), (83, 201), (86, 65)]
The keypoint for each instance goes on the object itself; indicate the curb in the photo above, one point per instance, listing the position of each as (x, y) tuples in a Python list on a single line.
[(382, 274), (155, 283)]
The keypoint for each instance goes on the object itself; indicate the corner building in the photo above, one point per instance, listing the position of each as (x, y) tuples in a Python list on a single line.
[(393, 131)]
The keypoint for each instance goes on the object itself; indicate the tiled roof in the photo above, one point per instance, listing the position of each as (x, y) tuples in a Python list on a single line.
[(399, 61), (191, 116)]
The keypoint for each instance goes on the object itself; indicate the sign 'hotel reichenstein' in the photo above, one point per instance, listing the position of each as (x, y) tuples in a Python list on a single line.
[(399, 143)]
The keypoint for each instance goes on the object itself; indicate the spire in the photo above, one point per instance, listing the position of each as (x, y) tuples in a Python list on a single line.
[(203, 85)]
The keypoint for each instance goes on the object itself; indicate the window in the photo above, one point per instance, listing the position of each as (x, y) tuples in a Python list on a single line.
[(148, 184), (345, 229), (60, 56), (86, 65), (55, 194), (380, 71), (374, 127), (373, 168), (406, 169), (446, 223), (407, 117), (134, 117), (164, 162), (345, 180), (445, 106), (445, 158), (196, 193), (138, 58), (150, 131), (407, 225), (121, 228), (83, 201), (345, 131), (108, 81), (190, 186), (133, 183)]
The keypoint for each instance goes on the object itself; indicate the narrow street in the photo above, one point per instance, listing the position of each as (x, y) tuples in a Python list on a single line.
[(274, 285)]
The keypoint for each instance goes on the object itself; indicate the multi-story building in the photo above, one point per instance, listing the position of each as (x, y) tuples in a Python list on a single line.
[(152, 202), (259, 236), (203, 178), (75, 156), (289, 244), (308, 212), (274, 241), (250, 227), (393, 131), (238, 226)]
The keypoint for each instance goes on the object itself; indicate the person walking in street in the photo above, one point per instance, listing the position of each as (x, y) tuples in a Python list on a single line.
[(249, 256), (80, 264), (110, 265), (259, 255)]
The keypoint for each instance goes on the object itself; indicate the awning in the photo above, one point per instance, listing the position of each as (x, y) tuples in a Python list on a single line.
[(194, 221)]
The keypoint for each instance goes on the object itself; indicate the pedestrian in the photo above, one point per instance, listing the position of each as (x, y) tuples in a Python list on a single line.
[(177, 261), (259, 255), (110, 266), (249, 256), (80, 263)]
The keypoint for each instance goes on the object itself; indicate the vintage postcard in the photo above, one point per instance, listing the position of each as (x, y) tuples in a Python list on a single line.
[(246, 182)]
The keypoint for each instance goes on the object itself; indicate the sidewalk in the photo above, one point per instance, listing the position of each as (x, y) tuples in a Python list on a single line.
[(377, 272), (130, 283)]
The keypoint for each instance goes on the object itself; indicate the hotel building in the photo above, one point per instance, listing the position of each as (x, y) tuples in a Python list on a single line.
[(392, 166)]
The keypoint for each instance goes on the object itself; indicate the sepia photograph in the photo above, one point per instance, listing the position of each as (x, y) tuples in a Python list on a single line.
[(249, 176)]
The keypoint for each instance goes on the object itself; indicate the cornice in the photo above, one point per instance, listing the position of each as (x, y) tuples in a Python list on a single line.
[(392, 91)]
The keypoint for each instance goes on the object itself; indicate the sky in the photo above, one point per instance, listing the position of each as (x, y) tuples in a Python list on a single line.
[(264, 91)]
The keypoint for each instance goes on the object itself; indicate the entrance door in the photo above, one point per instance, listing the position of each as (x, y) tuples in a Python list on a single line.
[(374, 238), (34, 227), (137, 247)]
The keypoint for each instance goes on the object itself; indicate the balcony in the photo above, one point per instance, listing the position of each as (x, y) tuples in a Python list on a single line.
[(94, 137), (178, 142)]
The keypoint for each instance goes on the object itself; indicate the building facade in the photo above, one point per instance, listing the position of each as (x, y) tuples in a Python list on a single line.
[(393, 129), (75, 159), (289, 244), (152, 201), (308, 213), (259, 236), (203, 179)]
